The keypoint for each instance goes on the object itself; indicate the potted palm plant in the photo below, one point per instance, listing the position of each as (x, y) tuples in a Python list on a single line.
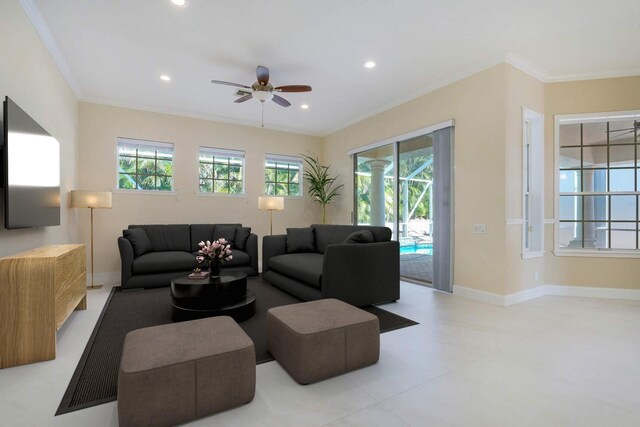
[(321, 187)]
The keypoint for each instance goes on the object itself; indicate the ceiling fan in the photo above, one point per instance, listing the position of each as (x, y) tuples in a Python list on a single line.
[(263, 91), (626, 131)]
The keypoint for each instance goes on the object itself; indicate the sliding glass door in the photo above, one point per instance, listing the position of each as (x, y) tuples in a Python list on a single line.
[(406, 186)]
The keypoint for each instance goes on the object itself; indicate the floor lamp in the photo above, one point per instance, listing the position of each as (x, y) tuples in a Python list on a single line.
[(271, 204), (92, 200)]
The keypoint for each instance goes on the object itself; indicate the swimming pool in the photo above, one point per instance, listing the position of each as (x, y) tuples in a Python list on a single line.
[(426, 248)]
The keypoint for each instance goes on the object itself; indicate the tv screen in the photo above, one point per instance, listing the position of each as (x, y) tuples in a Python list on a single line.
[(31, 160)]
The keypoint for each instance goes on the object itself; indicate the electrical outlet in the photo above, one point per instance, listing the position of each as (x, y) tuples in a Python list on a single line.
[(479, 228)]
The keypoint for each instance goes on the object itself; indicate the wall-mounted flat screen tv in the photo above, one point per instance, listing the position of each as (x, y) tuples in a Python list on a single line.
[(31, 169)]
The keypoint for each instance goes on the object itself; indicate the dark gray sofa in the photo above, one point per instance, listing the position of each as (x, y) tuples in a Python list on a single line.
[(359, 274), (173, 252)]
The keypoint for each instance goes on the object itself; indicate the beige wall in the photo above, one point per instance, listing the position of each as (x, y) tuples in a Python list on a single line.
[(522, 91), (29, 76), (588, 96), (100, 126), (477, 104)]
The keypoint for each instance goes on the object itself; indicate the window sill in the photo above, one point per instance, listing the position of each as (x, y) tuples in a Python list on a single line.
[(529, 255), (594, 253), (146, 192), (206, 194)]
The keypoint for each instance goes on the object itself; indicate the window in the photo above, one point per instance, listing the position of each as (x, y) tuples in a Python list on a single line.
[(598, 183), (221, 171), (532, 184), (282, 176), (145, 165)]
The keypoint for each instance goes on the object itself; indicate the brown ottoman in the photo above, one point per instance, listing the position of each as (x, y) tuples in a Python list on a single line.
[(174, 373), (319, 339)]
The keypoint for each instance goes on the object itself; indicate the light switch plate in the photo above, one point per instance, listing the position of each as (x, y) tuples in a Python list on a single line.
[(479, 228)]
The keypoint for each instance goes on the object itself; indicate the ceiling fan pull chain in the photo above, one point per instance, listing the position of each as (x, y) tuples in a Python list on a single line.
[(262, 105)]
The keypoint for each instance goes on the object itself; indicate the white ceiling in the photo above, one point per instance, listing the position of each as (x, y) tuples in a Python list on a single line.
[(113, 51)]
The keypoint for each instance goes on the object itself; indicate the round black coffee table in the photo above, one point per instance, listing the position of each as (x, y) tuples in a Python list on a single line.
[(220, 296)]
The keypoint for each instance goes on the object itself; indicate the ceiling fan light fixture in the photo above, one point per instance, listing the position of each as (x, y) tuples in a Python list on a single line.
[(262, 95)]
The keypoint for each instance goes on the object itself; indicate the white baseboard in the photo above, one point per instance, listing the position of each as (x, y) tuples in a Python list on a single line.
[(588, 292), (539, 291)]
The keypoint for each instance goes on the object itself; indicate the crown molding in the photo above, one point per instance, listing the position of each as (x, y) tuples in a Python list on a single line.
[(208, 117), (594, 76), (527, 66), (45, 35)]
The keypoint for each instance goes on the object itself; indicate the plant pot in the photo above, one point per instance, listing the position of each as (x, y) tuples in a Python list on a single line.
[(214, 270)]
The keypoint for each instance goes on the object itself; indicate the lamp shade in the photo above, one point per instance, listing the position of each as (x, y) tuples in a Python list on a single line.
[(91, 199), (271, 203)]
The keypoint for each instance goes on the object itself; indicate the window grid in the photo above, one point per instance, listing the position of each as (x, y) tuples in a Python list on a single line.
[(282, 178), (583, 194), (221, 173), (135, 173)]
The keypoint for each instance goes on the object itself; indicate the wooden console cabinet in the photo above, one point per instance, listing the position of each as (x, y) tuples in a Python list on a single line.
[(38, 291)]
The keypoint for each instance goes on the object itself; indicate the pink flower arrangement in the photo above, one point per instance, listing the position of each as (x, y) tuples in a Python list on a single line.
[(214, 252)]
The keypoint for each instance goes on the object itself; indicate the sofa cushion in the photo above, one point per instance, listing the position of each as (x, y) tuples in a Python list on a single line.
[(327, 234), (242, 234), (239, 258), (226, 231), (362, 236), (300, 240), (305, 267), (200, 233), (139, 241), (159, 262), (170, 237)]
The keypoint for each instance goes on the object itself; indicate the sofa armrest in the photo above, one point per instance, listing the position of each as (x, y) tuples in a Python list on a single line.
[(272, 246), (126, 260), (362, 274), (251, 247)]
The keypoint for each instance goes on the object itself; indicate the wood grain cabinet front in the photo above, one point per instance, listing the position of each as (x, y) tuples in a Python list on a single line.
[(39, 289)]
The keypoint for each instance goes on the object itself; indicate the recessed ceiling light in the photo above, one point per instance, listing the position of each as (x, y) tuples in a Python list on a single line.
[(179, 2), (165, 78), (369, 64), (305, 106)]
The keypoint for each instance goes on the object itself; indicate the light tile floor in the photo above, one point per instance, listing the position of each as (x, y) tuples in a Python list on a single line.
[(553, 361)]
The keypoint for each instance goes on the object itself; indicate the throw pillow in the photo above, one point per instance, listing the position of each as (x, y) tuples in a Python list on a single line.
[(242, 234), (361, 236), (228, 231), (139, 240), (300, 240)]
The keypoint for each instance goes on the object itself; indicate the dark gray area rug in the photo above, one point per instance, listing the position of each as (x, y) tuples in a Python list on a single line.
[(95, 379)]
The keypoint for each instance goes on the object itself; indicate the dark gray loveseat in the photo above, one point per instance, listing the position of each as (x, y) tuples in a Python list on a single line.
[(357, 273), (170, 251)]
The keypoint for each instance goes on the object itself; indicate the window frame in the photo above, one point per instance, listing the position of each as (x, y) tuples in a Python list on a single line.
[(157, 145), (600, 117), (532, 184), (278, 158), (222, 152)]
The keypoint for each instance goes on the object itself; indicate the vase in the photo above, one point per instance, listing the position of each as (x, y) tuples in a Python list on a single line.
[(214, 269)]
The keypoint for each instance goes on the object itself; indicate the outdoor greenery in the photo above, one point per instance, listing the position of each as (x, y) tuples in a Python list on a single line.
[(408, 164), (220, 174), (281, 178), (144, 169), (322, 187)]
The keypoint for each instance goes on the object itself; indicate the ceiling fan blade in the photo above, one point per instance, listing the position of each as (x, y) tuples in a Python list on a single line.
[(262, 73), (220, 82), (243, 98), (281, 101), (293, 88)]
